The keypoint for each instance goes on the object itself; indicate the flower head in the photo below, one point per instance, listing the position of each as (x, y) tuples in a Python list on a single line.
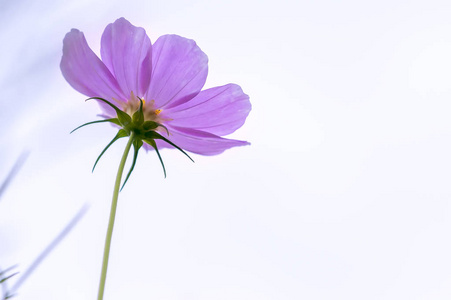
[(160, 83)]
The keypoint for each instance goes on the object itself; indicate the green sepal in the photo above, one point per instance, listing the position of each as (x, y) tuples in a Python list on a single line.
[(138, 116), (154, 145), (112, 120), (137, 143), (150, 125), (121, 133), (123, 117), (155, 135)]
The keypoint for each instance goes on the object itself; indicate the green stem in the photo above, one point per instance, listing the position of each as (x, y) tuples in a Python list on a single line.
[(109, 233)]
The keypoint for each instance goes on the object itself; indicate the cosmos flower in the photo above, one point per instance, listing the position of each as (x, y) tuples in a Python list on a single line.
[(164, 79), (153, 94)]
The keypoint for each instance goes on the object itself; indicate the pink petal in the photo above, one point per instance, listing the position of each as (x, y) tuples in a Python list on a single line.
[(220, 110), (84, 71), (199, 142), (179, 71), (127, 52)]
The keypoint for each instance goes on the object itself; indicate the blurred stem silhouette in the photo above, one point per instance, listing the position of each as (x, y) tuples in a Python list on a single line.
[(9, 293), (17, 165), (7, 274), (3, 278)]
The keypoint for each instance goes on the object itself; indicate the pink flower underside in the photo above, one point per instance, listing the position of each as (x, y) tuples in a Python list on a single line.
[(171, 72)]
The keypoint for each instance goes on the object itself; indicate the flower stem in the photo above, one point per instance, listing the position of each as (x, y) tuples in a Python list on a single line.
[(109, 233)]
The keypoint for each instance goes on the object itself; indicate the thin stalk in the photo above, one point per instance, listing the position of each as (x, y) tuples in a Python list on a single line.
[(109, 233)]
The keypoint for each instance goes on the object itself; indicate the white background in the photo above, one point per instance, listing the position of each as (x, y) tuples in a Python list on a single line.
[(343, 194)]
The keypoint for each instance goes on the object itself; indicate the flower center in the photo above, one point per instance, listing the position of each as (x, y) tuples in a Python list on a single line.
[(151, 113)]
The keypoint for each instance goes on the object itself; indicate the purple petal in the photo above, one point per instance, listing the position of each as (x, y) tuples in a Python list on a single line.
[(127, 52), (179, 71), (220, 110), (84, 71), (199, 142)]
